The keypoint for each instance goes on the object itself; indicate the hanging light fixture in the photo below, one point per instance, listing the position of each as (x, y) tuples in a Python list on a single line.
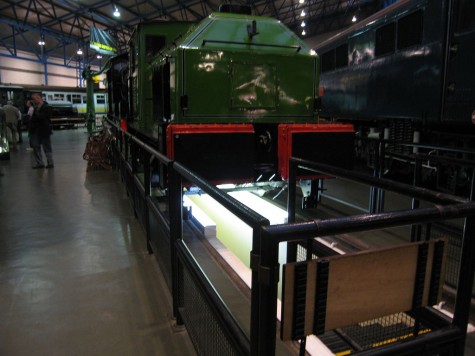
[(42, 42), (98, 56), (301, 1), (302, 24), (303, 13), (304, 33), (79, 52), (354, 18), (116, 11)]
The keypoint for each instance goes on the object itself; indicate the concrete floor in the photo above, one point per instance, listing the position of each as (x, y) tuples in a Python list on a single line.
[(75, 276)]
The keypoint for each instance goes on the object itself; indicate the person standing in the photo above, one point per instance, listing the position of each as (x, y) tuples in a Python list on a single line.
[(30, 109), (3, 134), (40, 132), (13, 116), (29, 114)]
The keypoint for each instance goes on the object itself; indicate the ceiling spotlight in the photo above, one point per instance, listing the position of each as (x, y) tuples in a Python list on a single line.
[(79, 52), (304, 33), (354, 19), (302, 24), (116, 12), (303, 13)]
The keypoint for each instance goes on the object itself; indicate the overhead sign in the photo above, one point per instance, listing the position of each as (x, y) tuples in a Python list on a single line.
[(102, 42)]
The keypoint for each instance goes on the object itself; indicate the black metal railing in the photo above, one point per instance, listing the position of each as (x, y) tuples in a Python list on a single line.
[(445, 207), (193, 294), (181, 260)]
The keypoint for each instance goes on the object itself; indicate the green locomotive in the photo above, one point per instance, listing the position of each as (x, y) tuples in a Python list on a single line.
[(231, 98)]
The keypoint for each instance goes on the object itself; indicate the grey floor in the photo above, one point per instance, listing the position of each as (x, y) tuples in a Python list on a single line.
[(75, 277)]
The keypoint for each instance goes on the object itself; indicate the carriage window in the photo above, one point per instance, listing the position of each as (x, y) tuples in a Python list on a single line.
[(58, 96), (100, 99), (466, 20), (328, 61), (409, 30), (76, 99), (341, 56), (385, 40)]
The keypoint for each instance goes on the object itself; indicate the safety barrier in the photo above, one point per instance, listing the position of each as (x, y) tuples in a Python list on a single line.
[(211, 324)]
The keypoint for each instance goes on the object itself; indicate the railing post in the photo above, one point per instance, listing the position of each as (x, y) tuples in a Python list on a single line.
[(465, 280), (127, 149), (472, 187), (416, 229), (291, 208), (292, 190), (255, 262), (373, 193), (148, 159), (381, 192), (268, 280), (176, 234)]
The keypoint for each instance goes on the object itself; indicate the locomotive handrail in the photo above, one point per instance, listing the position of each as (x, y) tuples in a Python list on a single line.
[(444, 159), (438, 148), (298, 48), (418, 192), (410, 158)]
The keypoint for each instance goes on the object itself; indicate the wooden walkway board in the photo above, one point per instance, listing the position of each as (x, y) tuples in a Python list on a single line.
[(361, 286)]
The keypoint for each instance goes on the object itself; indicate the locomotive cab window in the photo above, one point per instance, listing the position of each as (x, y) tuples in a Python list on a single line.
[(466, 18), (161, 92), (385, 40), (341, 56), (153, 45), (328, 61), (409, 30)]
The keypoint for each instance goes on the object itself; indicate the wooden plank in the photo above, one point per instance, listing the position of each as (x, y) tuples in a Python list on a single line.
[(363, 286), (371, 284), (287, 311)]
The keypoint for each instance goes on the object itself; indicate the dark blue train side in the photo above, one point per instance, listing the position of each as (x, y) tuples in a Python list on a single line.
[(406, 73)]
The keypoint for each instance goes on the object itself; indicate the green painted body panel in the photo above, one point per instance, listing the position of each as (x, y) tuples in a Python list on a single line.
[(237, 87)]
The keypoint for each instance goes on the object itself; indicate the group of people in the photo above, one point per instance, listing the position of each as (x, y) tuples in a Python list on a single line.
[(38, 118)]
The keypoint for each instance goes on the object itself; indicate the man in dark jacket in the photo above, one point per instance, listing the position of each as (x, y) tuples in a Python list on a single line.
[(40, 132)]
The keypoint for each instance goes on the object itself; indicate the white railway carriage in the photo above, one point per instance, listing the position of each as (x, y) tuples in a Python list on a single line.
[(77, 97)]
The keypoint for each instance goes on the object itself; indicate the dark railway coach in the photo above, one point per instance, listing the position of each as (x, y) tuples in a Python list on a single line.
[(231, 97), (406, 74)]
